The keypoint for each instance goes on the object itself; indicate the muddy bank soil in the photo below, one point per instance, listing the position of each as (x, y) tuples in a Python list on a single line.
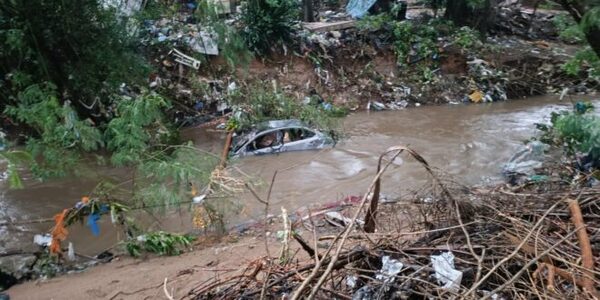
[(358, 68)]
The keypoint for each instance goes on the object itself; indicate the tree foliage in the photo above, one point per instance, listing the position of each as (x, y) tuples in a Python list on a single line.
[(79, 47), (60, 136), (138, 127), (268, 23)]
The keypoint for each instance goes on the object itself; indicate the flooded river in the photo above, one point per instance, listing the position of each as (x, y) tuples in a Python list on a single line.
[(470, 142)]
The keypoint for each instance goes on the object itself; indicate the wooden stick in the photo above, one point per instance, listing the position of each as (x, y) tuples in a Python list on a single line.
[(225, 153), (305, 246), (587, 257), (167, 294), (547, 263)]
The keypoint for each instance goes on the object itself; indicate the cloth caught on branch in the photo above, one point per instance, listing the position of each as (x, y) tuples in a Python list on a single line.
[(59, 232)]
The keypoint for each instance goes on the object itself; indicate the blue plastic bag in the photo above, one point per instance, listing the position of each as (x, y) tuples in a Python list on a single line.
[(358, 8)]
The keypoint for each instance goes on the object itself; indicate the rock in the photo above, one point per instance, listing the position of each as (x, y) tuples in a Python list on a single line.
[(16, 266)]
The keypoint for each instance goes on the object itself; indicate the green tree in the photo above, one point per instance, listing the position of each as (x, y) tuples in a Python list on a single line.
[(587, 14), (478, 14), (78, 46)]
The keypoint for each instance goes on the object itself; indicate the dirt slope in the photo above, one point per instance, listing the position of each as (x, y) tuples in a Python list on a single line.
[(129, 278)]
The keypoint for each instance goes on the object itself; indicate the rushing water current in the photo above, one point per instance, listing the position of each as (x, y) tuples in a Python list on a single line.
[(470, 142)]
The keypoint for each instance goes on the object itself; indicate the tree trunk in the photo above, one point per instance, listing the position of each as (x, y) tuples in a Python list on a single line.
[(308, 11), (593, 37), (462, 14)]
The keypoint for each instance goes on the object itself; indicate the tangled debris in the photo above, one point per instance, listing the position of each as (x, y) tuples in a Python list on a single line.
[(442, 241), (354, 65)]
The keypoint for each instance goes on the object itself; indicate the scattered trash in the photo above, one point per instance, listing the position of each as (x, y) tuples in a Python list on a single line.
[(526, 160), (71, 252), (358, 8), (337, 219), (364, 293), (231, 87), (93, 224), (538, 178), (374, 105), (125, 8), (199, 199), (514, 19), (185, 59), (43, 240), (390, 268), (351, 281), (445, 273), (205, 43)]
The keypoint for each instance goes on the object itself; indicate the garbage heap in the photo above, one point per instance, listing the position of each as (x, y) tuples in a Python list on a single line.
[(443, 241)]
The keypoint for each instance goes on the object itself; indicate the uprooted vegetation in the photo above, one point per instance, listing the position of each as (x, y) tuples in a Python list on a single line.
[(443, 240), (537, 239)]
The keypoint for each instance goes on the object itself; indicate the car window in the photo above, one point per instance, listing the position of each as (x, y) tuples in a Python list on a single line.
[(266, 140), (296, 134)]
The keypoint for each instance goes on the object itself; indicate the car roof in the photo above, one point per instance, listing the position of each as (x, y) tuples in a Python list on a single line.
[(274, 124)]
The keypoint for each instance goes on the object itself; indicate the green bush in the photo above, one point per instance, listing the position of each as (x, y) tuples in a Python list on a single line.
[(466, 38), (578, 131), (568, 30), (374, 22), (584, 60), (414, 41), (268, 23)]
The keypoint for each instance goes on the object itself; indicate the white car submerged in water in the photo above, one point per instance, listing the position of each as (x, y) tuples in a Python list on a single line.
[(279, 136)]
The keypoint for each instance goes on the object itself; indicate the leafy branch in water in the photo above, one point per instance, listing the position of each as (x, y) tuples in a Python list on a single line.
[(578, 131), (137, 128), (159, 242), (167, 177), (14, 159)]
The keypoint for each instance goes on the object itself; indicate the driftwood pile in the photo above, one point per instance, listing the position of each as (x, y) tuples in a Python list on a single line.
[(536, 242)]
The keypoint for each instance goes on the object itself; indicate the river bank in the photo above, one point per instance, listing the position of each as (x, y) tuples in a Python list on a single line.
[(359, 66)]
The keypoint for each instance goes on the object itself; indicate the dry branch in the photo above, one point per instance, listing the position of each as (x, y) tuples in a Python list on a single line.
[(519, 244), (587, 257)]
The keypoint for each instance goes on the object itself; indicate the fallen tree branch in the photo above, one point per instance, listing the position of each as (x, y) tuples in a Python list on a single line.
[(169, 296), (587, 257)]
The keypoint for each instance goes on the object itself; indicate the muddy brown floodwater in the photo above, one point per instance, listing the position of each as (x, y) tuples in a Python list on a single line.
[(469, 142)]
